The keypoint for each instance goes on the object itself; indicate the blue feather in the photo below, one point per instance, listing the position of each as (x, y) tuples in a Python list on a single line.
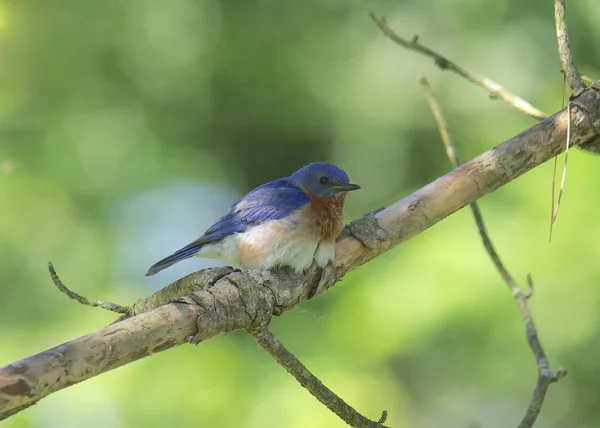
[(179, 255), (271, 201)]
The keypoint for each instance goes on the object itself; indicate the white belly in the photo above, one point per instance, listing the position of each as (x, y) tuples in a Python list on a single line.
[(266, 246), (325, 253)]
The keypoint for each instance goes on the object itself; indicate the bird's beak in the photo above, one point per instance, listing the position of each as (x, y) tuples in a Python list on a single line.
[(347, 187)]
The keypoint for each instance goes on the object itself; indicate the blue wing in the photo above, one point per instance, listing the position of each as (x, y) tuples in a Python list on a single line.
[(271, 201)]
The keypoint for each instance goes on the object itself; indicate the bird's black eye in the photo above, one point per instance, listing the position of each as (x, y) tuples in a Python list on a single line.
[(323, 179)]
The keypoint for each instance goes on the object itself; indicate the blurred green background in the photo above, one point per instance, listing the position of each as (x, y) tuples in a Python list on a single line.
[(128, 127)]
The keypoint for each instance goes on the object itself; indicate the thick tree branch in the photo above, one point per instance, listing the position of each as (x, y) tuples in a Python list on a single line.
[(264, 337), (495, 89), (564, 49), (238, 301), (312, 383), (545, 375)]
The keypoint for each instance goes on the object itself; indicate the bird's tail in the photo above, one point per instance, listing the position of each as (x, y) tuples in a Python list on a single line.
[(179, 255)]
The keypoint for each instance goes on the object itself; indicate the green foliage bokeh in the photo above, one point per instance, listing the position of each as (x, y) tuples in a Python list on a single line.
[(131, 125)]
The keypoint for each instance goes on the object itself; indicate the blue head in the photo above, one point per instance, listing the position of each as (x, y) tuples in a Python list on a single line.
[(322, 180)]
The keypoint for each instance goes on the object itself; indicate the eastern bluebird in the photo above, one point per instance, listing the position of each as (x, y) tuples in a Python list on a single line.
[(285, 222)]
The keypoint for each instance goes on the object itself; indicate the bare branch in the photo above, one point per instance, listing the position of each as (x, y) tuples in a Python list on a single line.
[(441, 122), (309, 381), (113, 307), (545, 375), (564, 174), (495, 89), (564, 49), (236, 300), (588, 79)]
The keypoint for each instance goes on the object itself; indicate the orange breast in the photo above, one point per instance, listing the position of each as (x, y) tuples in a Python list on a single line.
[(327, 216)]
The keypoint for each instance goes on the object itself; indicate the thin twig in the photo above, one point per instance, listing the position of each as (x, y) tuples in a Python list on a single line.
[(545, 375), (564, 90), (441, 122), (564, 49), (574, 80), (495, 89), (309, 381), (588, 79), (113, 307), (564, 174)]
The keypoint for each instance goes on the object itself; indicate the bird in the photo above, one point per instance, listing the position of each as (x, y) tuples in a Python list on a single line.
[(290, 221)]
